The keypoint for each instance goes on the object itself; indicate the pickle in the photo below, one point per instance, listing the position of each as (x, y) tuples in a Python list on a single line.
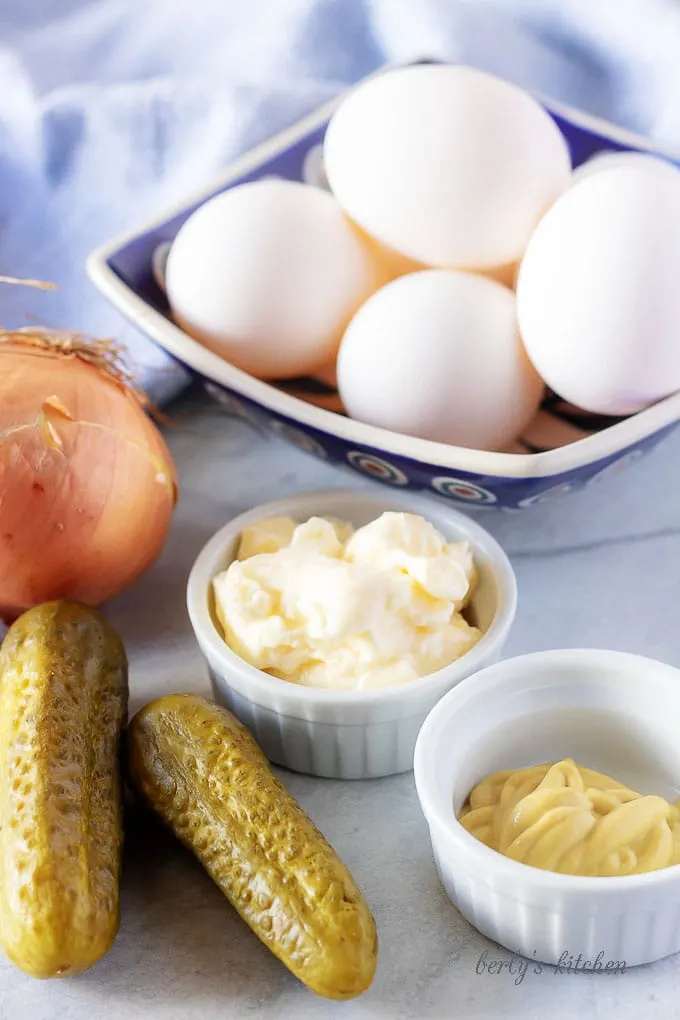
[(201, 771), (63, 707)]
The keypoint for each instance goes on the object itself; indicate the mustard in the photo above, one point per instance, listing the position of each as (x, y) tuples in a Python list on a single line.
[(573, 821)]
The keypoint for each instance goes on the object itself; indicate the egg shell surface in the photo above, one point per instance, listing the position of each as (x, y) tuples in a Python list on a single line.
[(267, 275), (448, 165), (598, 291), (610, 160), (436, 354)]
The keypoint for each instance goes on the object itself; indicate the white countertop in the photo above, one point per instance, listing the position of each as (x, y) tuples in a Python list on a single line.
[(600, 568)]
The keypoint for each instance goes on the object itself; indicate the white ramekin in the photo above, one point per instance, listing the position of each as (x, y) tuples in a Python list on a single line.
[(610, 711), (346, 734)]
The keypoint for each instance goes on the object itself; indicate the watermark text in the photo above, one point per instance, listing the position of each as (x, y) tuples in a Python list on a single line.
[(517, 967)]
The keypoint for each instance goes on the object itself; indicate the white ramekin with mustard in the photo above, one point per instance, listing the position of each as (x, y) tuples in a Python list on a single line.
[(570, 865)]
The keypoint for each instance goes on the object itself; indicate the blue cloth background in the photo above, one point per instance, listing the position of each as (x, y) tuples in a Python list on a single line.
[(110, 110)]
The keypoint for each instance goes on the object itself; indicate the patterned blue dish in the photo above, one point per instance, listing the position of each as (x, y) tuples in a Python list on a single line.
[(563, 450)]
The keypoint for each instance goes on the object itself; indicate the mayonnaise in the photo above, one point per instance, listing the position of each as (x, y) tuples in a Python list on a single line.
[(574, 821), (323, 605)]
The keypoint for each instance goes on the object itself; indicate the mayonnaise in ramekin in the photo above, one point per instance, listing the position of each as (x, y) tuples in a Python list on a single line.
[(322, 605)]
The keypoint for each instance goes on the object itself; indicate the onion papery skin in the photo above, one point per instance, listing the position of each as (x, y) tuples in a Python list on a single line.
[(87, 484)]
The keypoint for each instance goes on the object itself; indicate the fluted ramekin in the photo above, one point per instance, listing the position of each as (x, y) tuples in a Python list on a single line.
[(346, 734), (609, 711)]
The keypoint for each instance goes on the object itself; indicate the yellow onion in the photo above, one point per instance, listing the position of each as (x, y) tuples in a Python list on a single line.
[(87, 484)]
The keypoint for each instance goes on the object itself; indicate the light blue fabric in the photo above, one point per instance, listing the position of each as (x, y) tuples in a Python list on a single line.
[(110, 110)]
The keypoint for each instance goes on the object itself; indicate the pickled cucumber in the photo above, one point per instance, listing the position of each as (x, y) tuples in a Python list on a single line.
[(63, 706), (202, 772)]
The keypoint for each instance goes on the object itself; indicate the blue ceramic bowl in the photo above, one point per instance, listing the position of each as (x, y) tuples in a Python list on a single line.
[(563, 450)]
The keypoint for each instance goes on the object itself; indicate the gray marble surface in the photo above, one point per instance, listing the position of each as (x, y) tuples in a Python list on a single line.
[(597, 569)]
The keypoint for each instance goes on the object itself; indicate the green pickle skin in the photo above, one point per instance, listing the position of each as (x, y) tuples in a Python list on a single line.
[(63, 709), (201, 771)]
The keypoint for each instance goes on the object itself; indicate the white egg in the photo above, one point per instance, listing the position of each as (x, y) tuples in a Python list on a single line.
[(436, 354), (449, 166), (267, 275), (598, 292), (609, 160)]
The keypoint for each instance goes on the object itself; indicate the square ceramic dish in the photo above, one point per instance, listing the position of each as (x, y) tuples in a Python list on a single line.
[(562, 450), (346, 734), (609, 711)]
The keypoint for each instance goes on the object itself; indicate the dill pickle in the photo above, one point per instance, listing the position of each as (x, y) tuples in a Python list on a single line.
[(201, 771), (63, 707)]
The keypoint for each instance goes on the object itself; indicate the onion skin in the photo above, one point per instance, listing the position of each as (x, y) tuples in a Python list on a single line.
[(87, 484)]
